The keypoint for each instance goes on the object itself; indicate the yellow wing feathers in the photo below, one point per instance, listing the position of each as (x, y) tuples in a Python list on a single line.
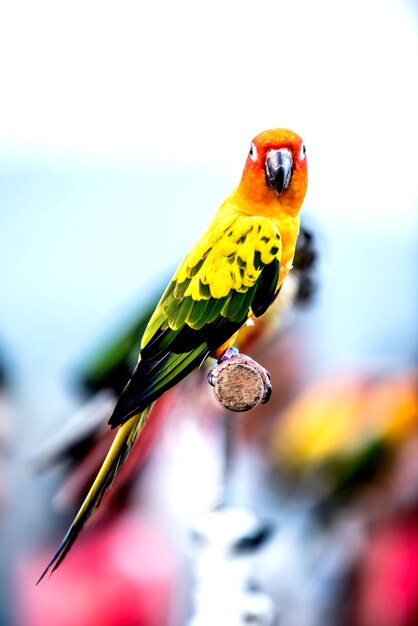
[(228, 260)]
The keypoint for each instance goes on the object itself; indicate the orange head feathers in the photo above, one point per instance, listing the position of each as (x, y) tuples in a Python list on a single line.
[(275, 175)]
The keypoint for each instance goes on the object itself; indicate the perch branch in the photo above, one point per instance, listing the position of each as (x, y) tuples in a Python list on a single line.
[(240, 383)]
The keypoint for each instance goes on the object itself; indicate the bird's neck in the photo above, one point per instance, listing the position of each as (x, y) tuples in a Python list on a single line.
[(266, 204), (286, 217)]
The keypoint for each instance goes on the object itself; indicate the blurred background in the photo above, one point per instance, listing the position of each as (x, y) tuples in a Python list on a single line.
[(122, 128)]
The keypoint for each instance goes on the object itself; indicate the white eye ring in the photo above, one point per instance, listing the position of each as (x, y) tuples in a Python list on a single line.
[(302, 154), (253, 154)]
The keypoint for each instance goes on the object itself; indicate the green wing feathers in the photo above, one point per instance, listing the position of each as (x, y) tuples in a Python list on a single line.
[(231, 274), (218, 276)]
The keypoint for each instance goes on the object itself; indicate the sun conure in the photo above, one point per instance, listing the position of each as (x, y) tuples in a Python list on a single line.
[(234, 272)]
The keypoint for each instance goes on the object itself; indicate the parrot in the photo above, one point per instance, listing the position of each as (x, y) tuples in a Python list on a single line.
[(232, 274)]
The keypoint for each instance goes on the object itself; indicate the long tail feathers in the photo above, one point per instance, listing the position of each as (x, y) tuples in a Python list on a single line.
[(122, 444)]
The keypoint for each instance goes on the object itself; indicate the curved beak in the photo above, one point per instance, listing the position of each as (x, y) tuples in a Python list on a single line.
[(279, 169)]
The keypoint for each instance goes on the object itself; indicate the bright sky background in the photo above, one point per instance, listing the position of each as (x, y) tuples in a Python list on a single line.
[(186, 80), (123, 125)]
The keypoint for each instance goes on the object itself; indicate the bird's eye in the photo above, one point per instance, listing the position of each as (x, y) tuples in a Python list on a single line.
[(253, 153), (302, 154)]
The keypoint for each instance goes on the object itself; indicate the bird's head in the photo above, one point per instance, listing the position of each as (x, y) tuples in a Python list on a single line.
[(275, 175)]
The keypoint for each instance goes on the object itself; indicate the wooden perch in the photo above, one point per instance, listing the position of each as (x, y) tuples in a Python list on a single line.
[(240, 383)]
